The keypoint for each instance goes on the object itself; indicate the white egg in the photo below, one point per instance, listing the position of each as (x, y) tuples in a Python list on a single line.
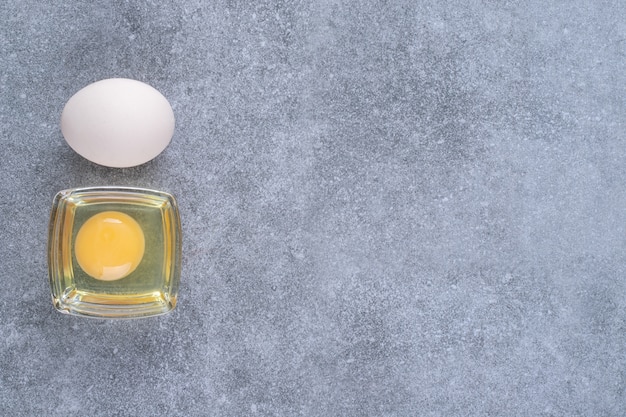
[(118, 122)]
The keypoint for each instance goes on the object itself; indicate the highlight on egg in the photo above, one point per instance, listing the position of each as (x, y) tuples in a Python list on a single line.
[(118, 122)]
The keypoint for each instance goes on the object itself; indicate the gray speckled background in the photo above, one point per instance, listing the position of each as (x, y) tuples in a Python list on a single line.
[(389, 208)]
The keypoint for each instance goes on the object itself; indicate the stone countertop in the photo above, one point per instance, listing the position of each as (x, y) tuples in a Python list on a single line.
[(389, 209)]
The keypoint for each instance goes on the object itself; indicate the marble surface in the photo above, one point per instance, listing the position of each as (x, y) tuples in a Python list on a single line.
[(400, 208)]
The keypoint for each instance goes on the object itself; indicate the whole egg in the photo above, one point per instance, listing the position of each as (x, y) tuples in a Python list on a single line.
[(118, 122)]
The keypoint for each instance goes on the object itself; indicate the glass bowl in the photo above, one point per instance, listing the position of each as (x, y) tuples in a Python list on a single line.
[(148, 287)]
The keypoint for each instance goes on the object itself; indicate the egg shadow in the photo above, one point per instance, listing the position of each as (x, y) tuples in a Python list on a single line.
[(53, 165), (76, 171)]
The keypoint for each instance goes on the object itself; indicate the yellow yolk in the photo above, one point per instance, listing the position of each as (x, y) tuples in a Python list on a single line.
[(109, 245)]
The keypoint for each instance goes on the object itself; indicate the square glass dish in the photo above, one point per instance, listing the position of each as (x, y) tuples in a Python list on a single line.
[(114, 252)]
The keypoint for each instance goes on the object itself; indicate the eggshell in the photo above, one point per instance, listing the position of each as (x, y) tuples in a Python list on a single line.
[(118, 122)]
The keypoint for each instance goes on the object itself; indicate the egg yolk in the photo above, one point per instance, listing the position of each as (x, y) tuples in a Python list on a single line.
[(109, 245)]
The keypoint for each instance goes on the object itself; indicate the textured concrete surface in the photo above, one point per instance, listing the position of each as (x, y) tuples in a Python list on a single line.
[(394, 208)]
